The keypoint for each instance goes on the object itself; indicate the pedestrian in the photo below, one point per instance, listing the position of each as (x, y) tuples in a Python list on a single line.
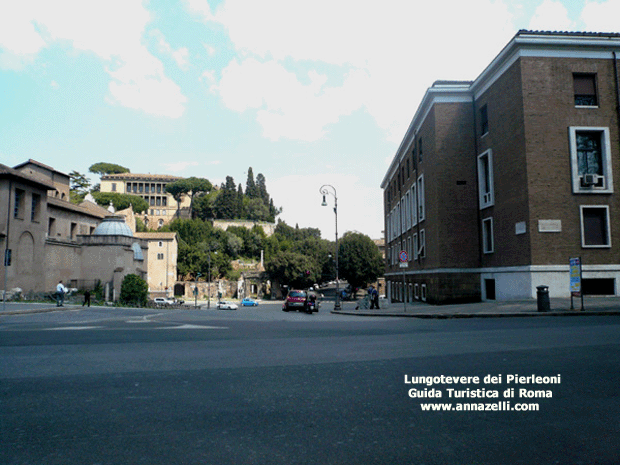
[(371, 296), (61, 290), (86, 298), (375, 296)]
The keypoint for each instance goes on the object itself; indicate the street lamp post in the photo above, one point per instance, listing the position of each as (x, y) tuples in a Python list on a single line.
[(209, 279), (209, 285), (331, 190), (198, 275)]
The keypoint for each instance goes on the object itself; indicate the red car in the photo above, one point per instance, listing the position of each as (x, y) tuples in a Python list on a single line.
[(295, 300)]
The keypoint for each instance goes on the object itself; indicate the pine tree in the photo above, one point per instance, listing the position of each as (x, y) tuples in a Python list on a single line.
[(250, 186)]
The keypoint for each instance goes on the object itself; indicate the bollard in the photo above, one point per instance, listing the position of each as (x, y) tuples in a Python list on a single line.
[(542, 297)]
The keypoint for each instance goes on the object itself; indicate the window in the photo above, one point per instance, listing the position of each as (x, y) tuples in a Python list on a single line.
[(484, 120), (35, 208), (414, 205), (407, 211), (584, 86), (18, 210), (113, 187), (416, 291), (595, 226), (51, 227), (423, 293), (416, 246), (590, 160), (422, 244), (485, 179), (160, 256), (487, 235), (420, 150), (421, 203)]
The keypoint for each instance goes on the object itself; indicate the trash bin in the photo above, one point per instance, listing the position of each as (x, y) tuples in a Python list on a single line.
[(542, 297)]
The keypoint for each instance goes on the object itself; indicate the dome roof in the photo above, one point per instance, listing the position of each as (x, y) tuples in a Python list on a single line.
[(137, 251), (113, 226)]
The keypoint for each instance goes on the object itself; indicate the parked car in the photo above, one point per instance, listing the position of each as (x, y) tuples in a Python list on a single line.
[(225, 305), (164, 301), (247, 302)]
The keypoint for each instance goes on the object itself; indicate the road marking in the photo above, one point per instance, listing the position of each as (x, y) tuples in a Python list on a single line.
[(72, 328), (145, 318), (193, 327)]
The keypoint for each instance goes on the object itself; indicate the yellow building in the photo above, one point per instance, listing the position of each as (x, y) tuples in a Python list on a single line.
[(162, 262), (163, 207)]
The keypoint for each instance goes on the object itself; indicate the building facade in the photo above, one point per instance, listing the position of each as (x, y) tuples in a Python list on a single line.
[(45, 238), (498, 182), (162, 259), (163, 208)]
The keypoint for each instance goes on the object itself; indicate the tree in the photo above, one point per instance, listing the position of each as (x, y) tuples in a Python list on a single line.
[(121, 201), (188, 186), (250, 186), (359, 259), (103, 168), (293, 269), (134, 290), (226, 204), (80, 186)]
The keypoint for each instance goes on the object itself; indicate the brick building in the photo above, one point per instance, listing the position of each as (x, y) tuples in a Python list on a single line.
[(499, 181)]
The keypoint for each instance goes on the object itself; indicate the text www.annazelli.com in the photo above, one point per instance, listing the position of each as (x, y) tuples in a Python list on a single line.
[(504, 406)]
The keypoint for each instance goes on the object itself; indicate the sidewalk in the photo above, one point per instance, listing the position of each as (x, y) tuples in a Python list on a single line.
[(488, 309)]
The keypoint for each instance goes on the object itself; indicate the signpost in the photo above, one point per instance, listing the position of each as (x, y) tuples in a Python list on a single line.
[(575, 281), (404, 263)]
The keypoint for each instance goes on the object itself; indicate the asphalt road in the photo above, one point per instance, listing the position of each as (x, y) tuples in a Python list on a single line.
[(260, 386)]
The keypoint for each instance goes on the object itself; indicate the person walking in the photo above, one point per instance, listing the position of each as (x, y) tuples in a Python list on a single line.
[(86, 298), (61, 290), (371, 296)]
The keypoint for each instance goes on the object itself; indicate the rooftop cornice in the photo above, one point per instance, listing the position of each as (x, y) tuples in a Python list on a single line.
[(462, 91)]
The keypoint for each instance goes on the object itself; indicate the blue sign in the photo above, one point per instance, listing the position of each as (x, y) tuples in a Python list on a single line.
[(575, 276)]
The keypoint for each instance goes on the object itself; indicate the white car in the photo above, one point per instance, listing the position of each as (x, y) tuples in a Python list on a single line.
[(224, 305), (163, 301)]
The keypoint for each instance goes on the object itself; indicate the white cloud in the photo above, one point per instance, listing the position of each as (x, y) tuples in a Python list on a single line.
[(551, 15), (602, 16), (19, 40), (54, 85), (381, 59), (112, 30), (285, 106), (178, 166), (359, 206), (180, 55)]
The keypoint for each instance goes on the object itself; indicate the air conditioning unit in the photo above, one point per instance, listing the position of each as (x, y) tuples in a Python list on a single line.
[(590, 179)]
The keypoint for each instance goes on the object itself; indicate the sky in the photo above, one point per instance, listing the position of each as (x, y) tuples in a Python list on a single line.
[(306, 93)]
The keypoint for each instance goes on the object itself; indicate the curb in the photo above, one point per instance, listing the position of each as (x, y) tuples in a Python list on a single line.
[(446, 316)]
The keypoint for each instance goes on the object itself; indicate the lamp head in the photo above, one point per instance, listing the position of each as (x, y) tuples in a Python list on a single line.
[(324, 204)]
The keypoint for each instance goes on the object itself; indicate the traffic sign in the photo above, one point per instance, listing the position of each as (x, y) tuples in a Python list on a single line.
[(403, 256)]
